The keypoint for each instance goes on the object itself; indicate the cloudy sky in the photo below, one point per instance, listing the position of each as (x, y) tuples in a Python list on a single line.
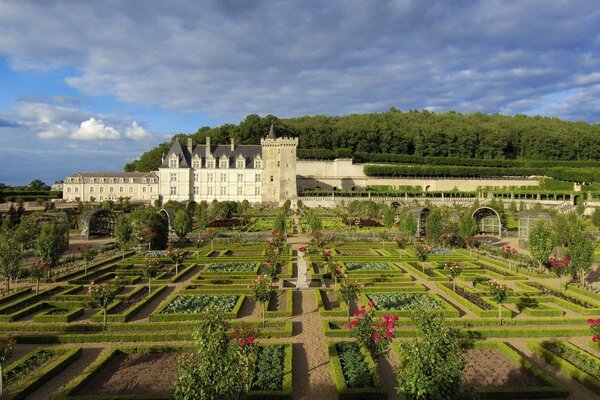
[(90, 85)]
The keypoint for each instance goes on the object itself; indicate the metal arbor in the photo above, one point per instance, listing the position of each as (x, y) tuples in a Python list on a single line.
[(98, 222), (488, 221)]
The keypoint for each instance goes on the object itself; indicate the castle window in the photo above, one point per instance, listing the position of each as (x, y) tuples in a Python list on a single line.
[(278, 163), (173, 190), (272, 179), (130, 180), (196, 176), (223, 177), (120, 180), (210, 177), (101, 180), (224, 162), (196, 163), (91, 180), (257, 178), (110, 189), (223, 190), (130, 189), (120, 189), (173, 177), (76, 189), (240, 163), (174, 161), (257, 163), (240, 190), (143, 189), (210, 162), (209, 191), (101, 189), (196, 190), (91, 189), (111, 180), (240, 177), (257, 191)]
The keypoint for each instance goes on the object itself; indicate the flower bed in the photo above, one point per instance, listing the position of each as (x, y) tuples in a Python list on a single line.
[(354, 373), (231, 267), (28, 365), (472, 297), (368, 266), (268, 372), (154, 253), (191, 304), (403, 301), (579, 358), (354, 367)]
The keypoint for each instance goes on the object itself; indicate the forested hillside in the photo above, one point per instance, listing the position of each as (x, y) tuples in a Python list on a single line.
[(414, 133)]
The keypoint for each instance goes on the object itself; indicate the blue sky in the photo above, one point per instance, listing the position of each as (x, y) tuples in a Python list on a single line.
[(88, 86)]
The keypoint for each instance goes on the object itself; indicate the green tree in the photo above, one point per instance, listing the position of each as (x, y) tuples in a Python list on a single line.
[(280, 223), (10, 260), (88, 253), (182, 224), (433, 363), (124, 233), (388, 216), (581, 254), (144, 219), (27, 231), (435, 226), (261, 293), (348, 291), (38, 185), (37, 272), (102, 296), (409, 225), (541, 242), (222, 365), (52, 242), (500, 293)]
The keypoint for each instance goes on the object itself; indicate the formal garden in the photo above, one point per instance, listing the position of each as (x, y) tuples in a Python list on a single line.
[(307, 306)]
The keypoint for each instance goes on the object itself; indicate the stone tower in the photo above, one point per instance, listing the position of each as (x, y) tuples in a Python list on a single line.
[(279, 169)]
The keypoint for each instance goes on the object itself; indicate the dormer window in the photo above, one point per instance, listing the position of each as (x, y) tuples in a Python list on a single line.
[(224, 162), (130, 180), (240, 162), (196, 162), (258, 162), (174, 161), (210, 162), (112, 180), (92, 180), (101, 180), (121, 180)]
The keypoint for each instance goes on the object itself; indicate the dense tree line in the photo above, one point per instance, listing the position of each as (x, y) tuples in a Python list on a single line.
[(418, 133)]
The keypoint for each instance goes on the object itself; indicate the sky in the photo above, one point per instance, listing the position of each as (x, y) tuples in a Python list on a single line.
[(91, 85)]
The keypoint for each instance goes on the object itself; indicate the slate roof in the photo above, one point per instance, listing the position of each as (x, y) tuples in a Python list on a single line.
[(249, 152)]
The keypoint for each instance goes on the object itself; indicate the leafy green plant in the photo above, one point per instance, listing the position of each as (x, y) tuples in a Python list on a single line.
[(196, 303), (354, 367), (373, 334), (368, 266), (7, 344), (231, 267), (403, 301), (268, 372)]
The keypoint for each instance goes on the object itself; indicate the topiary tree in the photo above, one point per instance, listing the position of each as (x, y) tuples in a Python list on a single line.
[(500, 293), (176, 256), (454, 270), (262, 290), (222, 365), (37, 272), (124, 233), (348, 291), (150, 270), (102, 296), (88, 253), (7, 344), (541, 242), (432, 363)]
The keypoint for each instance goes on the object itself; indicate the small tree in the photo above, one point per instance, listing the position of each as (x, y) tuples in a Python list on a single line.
[(124, 233), (509, 253), (146, 236), (11, 254), (150, 270), (541, 242), (182, 224), (432, 363), (454, 271), (261, 292), (222, 366), (176, 256), (7, 344), (561, 267), (102, 296), (423, 251), (373, 334), (88, 253), (500, 293), (280, 222), (581, 253), (37, 270), (349, 291), (51, 244)]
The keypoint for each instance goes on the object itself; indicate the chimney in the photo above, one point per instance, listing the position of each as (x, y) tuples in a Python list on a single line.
[(232, 144), (207, 151), (190, 145)]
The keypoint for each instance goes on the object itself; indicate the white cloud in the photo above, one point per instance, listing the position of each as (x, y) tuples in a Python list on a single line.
[(94, 129), (136, 132), (55, 131)]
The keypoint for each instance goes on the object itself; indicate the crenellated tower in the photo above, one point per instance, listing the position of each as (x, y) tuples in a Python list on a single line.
[(279, 169)]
